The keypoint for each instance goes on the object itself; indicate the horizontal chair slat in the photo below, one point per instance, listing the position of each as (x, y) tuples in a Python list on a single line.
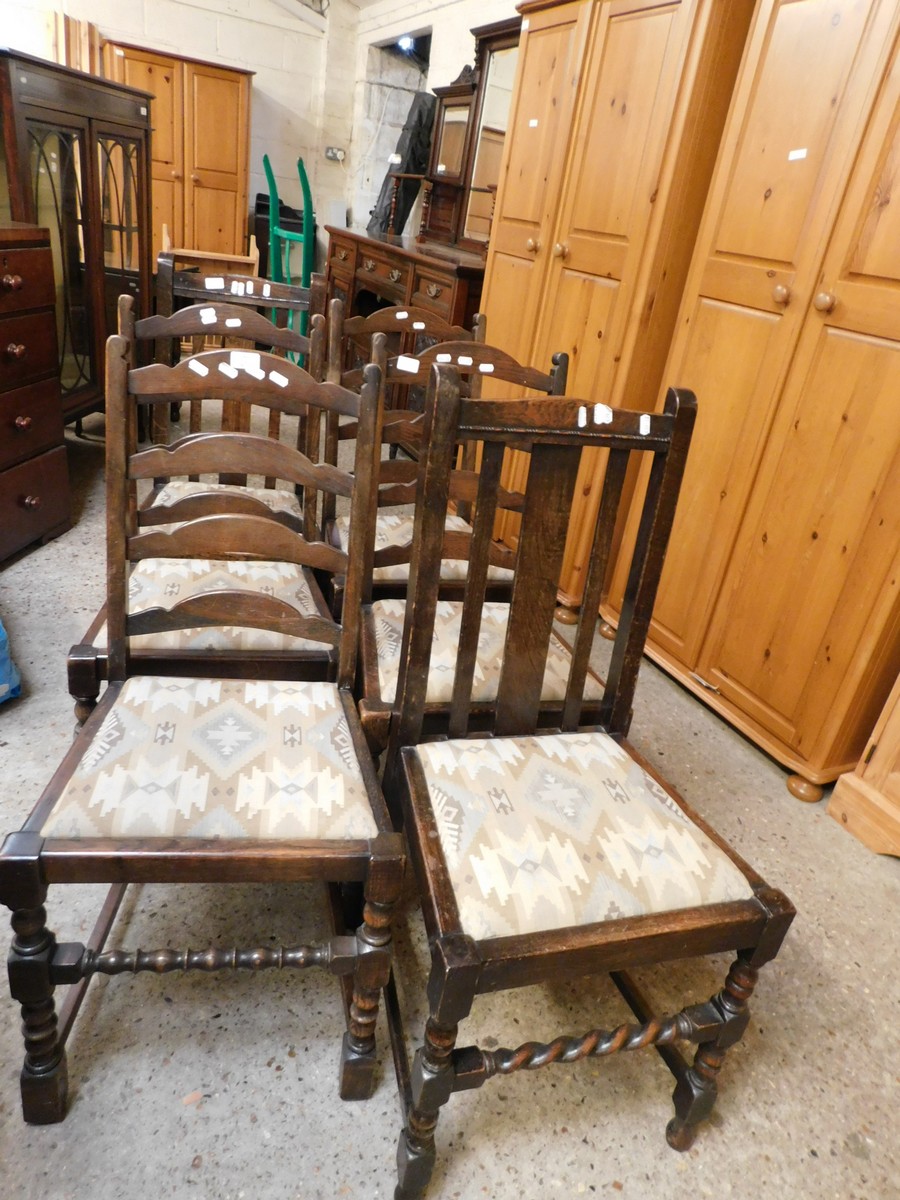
[(245, 609)]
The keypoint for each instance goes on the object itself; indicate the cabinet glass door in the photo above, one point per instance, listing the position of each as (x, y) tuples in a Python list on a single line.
[(57, 181), (119, 166)]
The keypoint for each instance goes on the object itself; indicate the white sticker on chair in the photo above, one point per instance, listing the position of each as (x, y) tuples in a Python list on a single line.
[(582, 416), (603, 414), (267, 291), (228, 370), (486, 368), (418, 324), (237, 288), (208, 316), (645, 424), (234, 322), (244, 360), (405, 363), (443, 358), (197, 367), (249, 289), (278, 379), (797, 155), (465, 360), (401, 316), (215, 283)]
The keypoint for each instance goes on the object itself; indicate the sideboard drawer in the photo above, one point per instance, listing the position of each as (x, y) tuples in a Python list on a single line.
[(386, 275), (30, 421), (34, 500), (27, 348), (435, 291), (26, 280)]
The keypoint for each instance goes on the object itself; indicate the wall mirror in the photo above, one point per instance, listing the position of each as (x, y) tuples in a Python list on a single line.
[(467, 146)]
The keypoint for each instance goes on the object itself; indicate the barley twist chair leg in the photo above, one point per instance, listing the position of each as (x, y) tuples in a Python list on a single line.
[(432, 1084)]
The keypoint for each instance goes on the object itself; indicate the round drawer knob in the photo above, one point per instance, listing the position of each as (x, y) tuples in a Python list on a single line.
[(23, 423), (533, 245), (32, 502), (560, 250), (12, 283), (15, 351), (824, 302), (781, 294)]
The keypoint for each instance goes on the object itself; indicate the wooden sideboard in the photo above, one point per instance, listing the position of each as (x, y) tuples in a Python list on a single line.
[(34, 479), (371, 272)]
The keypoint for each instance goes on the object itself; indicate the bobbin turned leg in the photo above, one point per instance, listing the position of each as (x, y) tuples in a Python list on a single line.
[(372, 971), (455, 968), (44, 1079), (695, 1092)]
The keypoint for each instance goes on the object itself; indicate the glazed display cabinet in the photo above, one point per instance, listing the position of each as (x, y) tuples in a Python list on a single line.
[(75, 158)]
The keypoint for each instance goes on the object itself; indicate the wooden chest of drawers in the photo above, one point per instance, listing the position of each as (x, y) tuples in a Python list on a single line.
[(34, 478)]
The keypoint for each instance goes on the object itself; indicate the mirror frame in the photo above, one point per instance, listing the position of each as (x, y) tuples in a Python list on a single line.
[(446, 201)]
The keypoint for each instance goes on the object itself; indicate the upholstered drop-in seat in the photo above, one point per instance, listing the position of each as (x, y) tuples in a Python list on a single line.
[(163, 582), (396, 529), (387, 617), (218, 758), (542, 833)]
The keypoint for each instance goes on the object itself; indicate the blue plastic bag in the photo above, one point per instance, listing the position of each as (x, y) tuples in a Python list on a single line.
[(10, 682)]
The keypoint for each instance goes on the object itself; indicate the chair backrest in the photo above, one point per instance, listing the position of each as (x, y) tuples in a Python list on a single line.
[(231, 526), (179, 277), (552, 432)]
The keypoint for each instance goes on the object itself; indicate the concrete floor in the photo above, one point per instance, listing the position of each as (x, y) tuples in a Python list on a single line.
[(220, 1088)]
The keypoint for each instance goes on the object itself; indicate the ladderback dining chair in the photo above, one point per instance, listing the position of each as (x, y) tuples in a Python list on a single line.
[(207, 779), (546, 854), (233, 649)]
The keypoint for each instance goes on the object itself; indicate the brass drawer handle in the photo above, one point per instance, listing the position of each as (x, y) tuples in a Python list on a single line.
[(343, 254), (369, 264), (433, 290), (32, 502), (15, 351), (12, 283), (395, 274), (23, 423)]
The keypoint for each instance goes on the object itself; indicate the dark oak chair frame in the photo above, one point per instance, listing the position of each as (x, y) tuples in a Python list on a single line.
[(87, 663), (30, 862), (552, 431)]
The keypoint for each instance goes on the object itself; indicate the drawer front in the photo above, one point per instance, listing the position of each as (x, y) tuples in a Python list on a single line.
[(34, 499), (26, 280), (30, 422), (341, 255), (435, 291), (386, 276), (27, 348)]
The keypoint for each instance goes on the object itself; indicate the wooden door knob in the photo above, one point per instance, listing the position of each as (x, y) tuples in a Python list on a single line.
[(177, 175), (12, 283), (560, 250), (824, 302), (15, 351), (23, 423), (195, 179), (532, 245), (32, 502), (781, 294)]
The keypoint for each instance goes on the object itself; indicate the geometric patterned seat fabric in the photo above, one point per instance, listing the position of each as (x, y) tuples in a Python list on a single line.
[(277, 499), (162, 582), (544, 832), (210, 758), (388, 617), (396, 529)]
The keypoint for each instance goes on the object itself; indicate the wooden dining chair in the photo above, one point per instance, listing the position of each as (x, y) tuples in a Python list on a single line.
[(186, 277), (236, 382), (547, 854), (204, 778)]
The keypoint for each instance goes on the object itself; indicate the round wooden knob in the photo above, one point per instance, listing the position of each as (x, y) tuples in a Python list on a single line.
[(32, 502), (781, 294), (12, 283), (23, 423), (15, 351), (560, 250), (177, 175), (532, 245), (824, 302), (195, 179)]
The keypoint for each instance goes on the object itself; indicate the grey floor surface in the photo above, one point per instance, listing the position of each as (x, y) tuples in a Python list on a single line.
[(220, 1088)]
